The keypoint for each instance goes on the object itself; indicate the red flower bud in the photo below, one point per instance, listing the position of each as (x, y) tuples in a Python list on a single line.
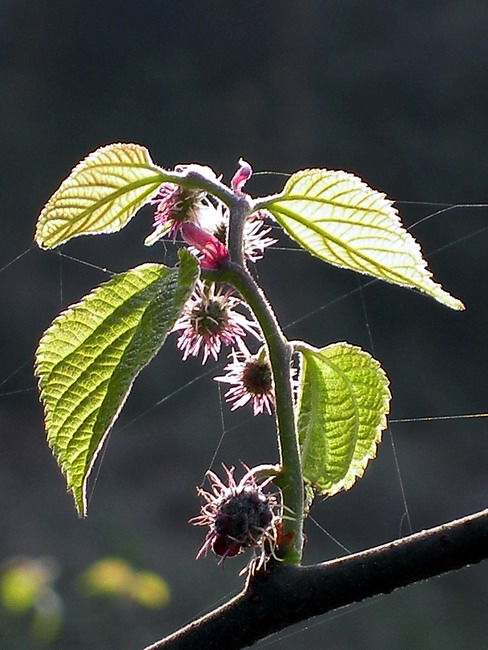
[(213, 251)]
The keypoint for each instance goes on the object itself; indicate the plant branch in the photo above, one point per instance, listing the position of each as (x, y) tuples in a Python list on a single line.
[(285, 594)]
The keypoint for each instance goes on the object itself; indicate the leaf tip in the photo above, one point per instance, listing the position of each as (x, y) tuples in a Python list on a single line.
[(81, 507), (447, 299), (457, 305)]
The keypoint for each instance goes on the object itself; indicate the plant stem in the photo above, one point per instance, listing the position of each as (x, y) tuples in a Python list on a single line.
[(191, 179), (279, 350), (236, 273)]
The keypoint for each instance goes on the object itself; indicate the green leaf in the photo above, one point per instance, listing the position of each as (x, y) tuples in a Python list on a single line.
[(101, 194), (342, 407), (338, 218), (89, 357)]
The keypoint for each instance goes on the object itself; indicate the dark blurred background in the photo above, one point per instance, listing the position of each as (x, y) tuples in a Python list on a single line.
[(396, 92)]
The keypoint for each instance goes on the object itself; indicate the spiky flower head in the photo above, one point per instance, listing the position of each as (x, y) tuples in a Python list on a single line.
[(210, 319), (256, 232), (239, 515), (256, 238), (176, 205), (251, 381)]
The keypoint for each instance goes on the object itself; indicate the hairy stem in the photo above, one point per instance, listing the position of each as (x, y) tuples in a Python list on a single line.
[(236, 273), (191, 179), (279, 350)]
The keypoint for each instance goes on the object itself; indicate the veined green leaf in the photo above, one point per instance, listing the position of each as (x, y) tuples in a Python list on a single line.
[(101, 194), (342, 407), (338, 218), (89, 357)]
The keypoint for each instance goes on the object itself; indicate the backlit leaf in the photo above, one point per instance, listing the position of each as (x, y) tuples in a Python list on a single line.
[(89, 357), (342, 407), (101, 194), (338, 218)]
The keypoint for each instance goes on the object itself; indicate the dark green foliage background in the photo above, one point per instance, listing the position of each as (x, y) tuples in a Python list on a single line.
[(396, 92)]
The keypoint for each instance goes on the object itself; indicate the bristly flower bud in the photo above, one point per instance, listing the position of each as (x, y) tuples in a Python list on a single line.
[(239, 515), (175, 205), (251, 380), (210, 319)]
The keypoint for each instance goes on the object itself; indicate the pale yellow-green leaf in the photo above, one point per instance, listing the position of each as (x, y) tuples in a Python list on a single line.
[(341, 412), (338, 218), (101, 194)]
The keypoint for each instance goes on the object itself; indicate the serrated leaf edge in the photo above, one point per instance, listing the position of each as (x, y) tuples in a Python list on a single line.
[(85, 165), (344, 484), (437, 291), (81, 504)]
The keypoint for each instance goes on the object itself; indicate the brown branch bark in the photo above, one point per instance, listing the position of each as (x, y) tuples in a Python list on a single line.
[(283, 594)]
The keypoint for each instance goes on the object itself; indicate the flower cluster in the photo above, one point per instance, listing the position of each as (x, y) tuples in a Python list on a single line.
[(203, 221), (239, 516), (213, 316)]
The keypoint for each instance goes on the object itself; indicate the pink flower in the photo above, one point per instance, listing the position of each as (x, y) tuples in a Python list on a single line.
[(212, 251), (239, 516), (242, 175), (255, 238), (255, 230), (210, 319), (203, 221), (174, 206), (251, 380)]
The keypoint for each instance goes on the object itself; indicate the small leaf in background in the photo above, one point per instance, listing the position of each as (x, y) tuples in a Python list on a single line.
[(89, 357), (338, 218), (149, 590), (26, 590), (101, 194), (114, 577), (23, 580), (341, 412)]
